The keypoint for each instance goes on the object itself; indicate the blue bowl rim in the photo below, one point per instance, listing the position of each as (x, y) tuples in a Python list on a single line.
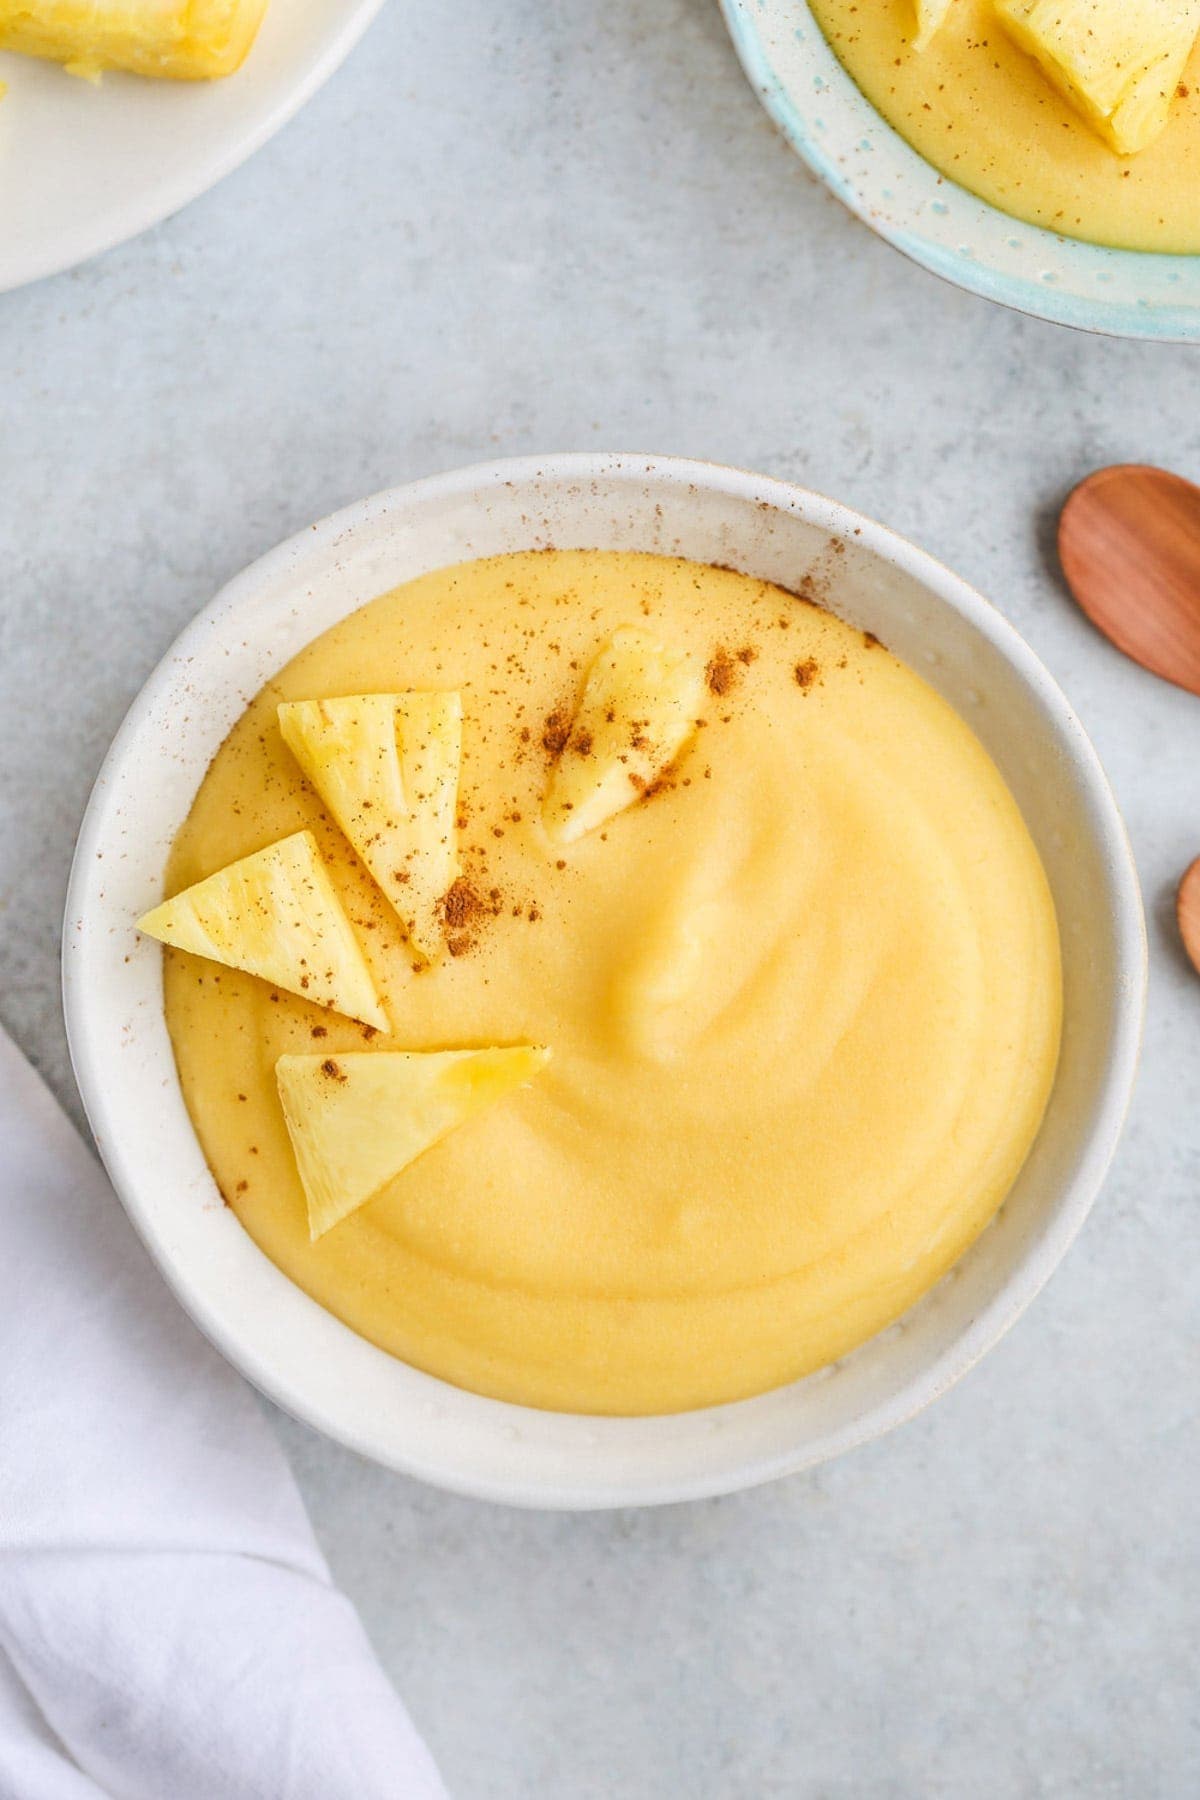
[(1177, 324)]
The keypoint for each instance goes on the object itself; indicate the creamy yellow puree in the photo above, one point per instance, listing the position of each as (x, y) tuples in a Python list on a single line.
[(803, 1001), (981, 111)]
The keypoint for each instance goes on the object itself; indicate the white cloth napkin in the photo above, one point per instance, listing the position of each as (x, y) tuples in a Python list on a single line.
[(168, 1627)]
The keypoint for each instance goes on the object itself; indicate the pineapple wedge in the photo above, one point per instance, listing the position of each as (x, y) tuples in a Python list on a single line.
[(276, 914), (1119, 62), (386, 766), (187, 40), (931, 16), (357, 1121), (639, 707)]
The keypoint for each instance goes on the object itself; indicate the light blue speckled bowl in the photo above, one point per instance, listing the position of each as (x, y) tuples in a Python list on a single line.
[(897, 193)]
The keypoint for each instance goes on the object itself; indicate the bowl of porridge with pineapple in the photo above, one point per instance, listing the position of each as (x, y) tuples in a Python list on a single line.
[(575, 971), (1042, 153)]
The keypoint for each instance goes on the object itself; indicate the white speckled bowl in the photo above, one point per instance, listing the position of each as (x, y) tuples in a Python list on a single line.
[(897, 193), (283, 1341)]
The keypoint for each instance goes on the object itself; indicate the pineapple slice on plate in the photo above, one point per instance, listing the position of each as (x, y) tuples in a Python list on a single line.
[(386, 766), (357, 1121), (639, 707), (931, 16), (187, 40), (276, 914), (1119, 62)]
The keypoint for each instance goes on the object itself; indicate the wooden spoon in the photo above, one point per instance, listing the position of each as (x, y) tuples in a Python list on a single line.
[(1187, 911), (1129, 542)]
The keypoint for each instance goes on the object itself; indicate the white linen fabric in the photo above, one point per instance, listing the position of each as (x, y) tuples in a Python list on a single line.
[(168, 1627)]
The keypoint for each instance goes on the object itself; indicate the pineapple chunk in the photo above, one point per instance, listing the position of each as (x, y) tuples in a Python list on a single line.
[(276, 914), (931, 16), (188, 40), (639, 707), (386, 766), (357, 1121), (1118, 62)]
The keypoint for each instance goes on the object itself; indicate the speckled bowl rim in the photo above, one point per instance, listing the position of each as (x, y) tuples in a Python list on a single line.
[(905, 200), (285, 1343)]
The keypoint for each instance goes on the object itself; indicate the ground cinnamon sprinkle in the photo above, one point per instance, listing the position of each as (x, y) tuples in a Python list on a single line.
[(725, 667), (871, 642), (460, 905), (581, 743), (463, 911), (721, 672), (806, 672), (556, 729), (333, 1070)]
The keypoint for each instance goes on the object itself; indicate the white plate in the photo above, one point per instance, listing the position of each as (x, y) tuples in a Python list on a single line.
[(83, 168), (301, 1355)]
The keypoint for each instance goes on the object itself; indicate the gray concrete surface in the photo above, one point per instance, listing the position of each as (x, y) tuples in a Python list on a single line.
[(515, 228)]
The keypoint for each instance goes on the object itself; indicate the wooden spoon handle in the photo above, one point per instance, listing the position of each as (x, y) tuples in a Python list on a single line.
[(1148, 605), (1187, 911)]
